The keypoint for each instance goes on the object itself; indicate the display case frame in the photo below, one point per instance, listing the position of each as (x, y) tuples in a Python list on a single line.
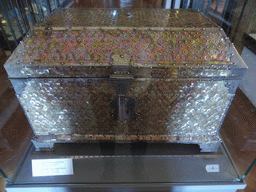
[(139, 163), (144, 160)]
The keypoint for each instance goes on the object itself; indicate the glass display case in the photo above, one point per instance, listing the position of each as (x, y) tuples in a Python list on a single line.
[(247, 85), (108, 166), (135, 167), (249, 37), (122, 99)]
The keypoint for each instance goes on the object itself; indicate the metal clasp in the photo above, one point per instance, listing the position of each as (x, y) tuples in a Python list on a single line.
[(121, 67), (47, 32)]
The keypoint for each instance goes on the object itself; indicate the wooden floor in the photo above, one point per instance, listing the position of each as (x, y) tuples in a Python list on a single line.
[(238, 129), (15, 132)]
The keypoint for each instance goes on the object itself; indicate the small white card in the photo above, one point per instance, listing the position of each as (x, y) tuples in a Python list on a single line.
[(52, 167), (212, 168)]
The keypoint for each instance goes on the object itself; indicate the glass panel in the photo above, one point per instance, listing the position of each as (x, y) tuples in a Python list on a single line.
[(91, 167), (238, 129), (238, 134), (252, 27), (15, 131), (115, 112)]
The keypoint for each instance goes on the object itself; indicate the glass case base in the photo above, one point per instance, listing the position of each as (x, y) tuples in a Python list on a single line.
[(132, 167)]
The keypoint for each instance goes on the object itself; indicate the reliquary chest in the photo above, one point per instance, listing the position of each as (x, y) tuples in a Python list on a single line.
[(126, 75)]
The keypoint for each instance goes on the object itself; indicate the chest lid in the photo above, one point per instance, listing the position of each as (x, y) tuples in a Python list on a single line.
[(154, 43)]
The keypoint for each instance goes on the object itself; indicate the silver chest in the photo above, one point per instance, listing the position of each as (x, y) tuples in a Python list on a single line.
[(126, 75)]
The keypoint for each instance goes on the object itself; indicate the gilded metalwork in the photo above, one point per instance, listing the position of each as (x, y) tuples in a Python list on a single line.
[(121, 60), (146, 47)]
